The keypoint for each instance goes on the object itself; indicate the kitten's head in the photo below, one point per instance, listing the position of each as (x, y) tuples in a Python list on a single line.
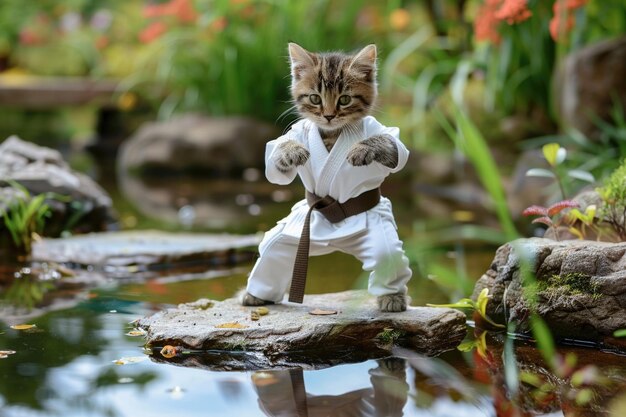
[(333, 89)]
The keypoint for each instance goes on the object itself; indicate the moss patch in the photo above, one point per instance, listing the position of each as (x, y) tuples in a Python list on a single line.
[(565, 285)]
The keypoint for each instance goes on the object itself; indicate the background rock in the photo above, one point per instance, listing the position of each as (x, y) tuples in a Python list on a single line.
[(591, 307), (288, 335), (43, 170), (590, 82), (197, 144)]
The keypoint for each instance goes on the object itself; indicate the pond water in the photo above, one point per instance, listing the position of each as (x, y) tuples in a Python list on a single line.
[(79, 361)]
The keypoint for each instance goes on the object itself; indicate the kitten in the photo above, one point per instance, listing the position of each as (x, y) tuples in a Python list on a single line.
[(336, 91)]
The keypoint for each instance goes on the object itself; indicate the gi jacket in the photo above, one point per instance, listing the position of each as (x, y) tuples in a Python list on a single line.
[(329, 173)]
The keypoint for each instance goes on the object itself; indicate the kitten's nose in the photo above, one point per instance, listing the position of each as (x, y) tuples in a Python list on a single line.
[(329, 118)]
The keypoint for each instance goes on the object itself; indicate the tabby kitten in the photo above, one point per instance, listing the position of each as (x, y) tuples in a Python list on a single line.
[(335, 91)]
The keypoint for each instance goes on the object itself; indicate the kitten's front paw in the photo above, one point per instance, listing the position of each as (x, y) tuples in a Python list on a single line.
[(250, 300), (290, 154), (392, 303), (361, 154)]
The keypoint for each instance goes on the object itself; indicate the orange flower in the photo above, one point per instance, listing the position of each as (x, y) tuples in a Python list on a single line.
[(153, 31), (102, 42), (514, 11), (183, 10), (486, 23), (563, 20), (399, 19), (568, 4)]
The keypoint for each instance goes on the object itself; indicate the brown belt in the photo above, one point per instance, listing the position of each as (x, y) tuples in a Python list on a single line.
[(334, 212)]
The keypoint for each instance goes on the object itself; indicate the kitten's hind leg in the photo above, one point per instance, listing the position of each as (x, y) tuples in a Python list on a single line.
[(250, 300), (392, 303)]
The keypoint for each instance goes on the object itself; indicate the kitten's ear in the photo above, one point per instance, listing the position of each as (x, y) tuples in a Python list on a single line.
[(300, 60), (364, 62)]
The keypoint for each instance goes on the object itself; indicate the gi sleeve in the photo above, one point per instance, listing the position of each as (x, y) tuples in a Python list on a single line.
[(373, 127), (272, 173)]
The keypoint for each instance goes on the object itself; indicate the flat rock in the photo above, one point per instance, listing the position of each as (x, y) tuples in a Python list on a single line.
[(580, 286), (147, 249), (291, 336)]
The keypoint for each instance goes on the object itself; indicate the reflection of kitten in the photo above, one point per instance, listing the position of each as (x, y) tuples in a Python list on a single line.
[(336, 91)]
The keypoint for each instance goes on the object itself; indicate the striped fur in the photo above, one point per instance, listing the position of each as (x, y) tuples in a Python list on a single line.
[(319, 80)]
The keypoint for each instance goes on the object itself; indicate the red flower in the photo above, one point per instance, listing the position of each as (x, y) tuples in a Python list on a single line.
[(153, 31), (514, 11), (486, 23), (183, 10), (28, 37)]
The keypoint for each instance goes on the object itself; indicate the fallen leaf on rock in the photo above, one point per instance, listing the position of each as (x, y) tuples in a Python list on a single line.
[(130, 360), (169, 351), (234, 325), (23, 326), (136, 332), (5, 353), (262, 311), (320, 312)]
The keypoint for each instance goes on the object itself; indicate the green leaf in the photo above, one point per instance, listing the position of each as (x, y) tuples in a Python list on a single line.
[(582, 175), (467, 346), (545, 343), (474, 146), (462, 303), (540, 172), (619, 333)]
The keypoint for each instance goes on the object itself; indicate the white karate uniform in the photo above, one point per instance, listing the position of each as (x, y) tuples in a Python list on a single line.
[(371, 236)]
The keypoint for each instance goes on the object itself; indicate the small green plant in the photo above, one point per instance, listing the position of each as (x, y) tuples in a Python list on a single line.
[(24, 217), (613, 194), (389, 335), (555, 155), (480, 306)]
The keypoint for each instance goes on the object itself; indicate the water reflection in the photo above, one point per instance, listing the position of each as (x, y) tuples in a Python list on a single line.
[(210, 204), (283, 393)]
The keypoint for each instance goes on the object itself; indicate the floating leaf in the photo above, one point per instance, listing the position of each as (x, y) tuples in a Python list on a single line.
[(321, 312), (540, 172), (130, 360), (262, 311), (5, 353), (233, 325), (535, 211), (170, 351), (23, 326), (136, 332)]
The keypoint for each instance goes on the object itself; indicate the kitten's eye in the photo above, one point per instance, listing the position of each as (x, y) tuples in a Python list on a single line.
[(345, 100), (315, 99)]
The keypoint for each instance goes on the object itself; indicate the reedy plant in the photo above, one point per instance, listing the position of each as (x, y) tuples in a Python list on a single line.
[(24, 217)]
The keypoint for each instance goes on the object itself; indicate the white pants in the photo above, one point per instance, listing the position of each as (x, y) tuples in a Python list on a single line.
[(378, 247)]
